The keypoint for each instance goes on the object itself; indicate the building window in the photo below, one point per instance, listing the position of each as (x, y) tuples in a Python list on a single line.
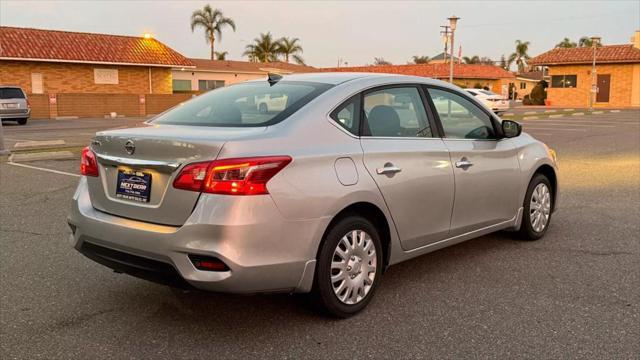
[(206, 85), (564, 81), (181, 85), (523, 85), (36, 83), (105, 76)]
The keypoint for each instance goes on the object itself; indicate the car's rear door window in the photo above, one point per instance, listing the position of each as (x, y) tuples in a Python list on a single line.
[(395, 112), (244, 105), (11, 93), (347, 115)]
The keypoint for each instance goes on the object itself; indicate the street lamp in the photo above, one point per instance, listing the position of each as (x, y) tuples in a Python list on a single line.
[(595, 40), (453, 20)]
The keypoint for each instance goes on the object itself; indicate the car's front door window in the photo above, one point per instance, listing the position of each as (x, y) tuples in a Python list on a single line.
[(460, 118)]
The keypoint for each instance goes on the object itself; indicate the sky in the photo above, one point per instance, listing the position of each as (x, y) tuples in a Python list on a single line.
[(354, 31)]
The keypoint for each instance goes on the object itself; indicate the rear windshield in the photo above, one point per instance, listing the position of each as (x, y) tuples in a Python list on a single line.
[(244, 105), (11, 93), (487, 92)]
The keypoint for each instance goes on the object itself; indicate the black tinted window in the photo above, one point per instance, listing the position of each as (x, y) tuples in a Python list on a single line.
[(11, 93), (244, 105), (348, 115)]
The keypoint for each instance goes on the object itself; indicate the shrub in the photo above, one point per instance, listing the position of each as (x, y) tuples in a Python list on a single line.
[(539, 93)]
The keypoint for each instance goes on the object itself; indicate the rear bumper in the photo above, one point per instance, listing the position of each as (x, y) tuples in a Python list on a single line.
[(9, 114), (264, 251)]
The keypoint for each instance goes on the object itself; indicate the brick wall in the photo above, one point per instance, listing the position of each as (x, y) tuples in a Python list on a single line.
[(97, 105), (620, 93), (79, 78), (157, 103), (39, 106)]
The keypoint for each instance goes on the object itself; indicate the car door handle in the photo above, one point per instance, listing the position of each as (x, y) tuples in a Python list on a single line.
[(463, 163), (388, 169)]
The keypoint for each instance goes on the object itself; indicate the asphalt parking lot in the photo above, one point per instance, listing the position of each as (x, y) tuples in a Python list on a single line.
[(573, 294)]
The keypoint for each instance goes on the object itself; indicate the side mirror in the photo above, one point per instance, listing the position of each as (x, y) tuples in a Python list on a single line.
[(511, 129)]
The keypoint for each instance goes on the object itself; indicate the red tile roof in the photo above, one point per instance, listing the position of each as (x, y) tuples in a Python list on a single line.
[(65, 46), (584, 55), (438, 71), (249, 67), (531, 75)]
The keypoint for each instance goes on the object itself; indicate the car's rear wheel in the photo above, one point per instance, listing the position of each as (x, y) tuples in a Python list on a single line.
[(22, 121), (537, 208), (349, 267)]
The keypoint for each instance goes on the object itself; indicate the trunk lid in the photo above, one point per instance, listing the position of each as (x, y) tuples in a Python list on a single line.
[(154, 155)]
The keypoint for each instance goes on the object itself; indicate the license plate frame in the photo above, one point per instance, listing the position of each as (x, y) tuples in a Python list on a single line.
[(133, 185)]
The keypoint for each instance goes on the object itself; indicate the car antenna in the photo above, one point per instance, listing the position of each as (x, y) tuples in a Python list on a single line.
[(273, 78)]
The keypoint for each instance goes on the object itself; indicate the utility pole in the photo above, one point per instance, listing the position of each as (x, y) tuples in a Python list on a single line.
[(3, 151), (453, 20), (445, 39), (594, 85)]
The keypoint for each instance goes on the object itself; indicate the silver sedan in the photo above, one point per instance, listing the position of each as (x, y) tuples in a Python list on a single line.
[(352, 174)]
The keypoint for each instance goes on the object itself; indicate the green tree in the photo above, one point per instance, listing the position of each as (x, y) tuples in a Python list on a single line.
[(290, 47), (212, 21), (503, 62), (420, 59), (566, 43), (221, 55), (263, 49), (586, 41), (520, 56), (380, 61)]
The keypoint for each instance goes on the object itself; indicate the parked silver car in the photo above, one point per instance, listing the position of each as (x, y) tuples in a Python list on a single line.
[(14, 104), (356, 173)]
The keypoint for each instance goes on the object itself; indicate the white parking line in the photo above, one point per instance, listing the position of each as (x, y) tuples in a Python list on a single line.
[(554, 129), (44, 169), (576, 125)]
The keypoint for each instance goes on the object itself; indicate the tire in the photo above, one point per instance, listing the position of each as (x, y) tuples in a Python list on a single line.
[(263, 108), (530, 229), (22, 121), (357, 270)]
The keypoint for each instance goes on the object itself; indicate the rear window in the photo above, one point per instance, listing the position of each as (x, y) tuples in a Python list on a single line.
[(11, 93), (487, 92), (244, 105)]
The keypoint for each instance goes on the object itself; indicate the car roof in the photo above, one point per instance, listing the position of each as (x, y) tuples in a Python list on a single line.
[(10, 87)]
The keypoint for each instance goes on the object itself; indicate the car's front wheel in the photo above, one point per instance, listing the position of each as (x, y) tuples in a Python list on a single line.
[(349, 267), (537, 208)]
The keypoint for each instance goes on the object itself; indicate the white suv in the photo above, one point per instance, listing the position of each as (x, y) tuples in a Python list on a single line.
[(14, 104)]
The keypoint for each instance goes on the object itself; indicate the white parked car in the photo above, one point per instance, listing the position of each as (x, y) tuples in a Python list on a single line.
[(497, 103)]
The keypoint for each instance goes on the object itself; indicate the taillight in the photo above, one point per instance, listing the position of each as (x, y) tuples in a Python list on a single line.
[(88, 164), (242, 176)]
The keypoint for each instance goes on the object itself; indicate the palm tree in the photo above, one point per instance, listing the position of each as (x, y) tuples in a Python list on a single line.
[(221, 55), (420, 59), (566, 43), (212, 21), (471, 60), (290, 47), (263, 49), (380, 61), (520, 56)]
